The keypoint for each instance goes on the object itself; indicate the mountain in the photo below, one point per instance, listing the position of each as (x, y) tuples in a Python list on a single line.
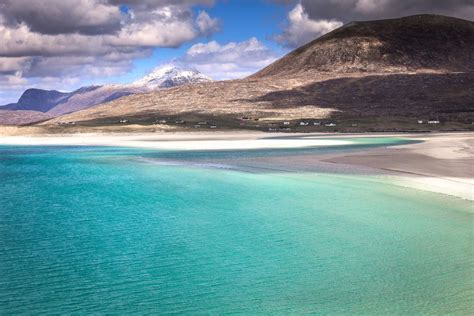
[(38, 100), (366, 76), (55, 103), (414, 43), (171, 76), (89, 96)]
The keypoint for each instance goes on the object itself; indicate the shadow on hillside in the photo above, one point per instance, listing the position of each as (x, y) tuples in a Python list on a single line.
[(376, 95)]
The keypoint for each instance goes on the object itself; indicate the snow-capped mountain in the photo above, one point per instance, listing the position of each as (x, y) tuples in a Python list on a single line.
[(50, 103), (171, 76)]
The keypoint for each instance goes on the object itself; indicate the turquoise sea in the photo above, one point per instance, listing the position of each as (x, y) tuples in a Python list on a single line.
[(102, 230)]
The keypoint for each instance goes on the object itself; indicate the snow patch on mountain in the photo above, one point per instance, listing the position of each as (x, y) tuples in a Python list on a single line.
[(171, 76)]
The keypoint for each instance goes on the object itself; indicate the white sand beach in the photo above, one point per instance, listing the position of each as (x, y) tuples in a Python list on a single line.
[(442, 163), (179, 141)]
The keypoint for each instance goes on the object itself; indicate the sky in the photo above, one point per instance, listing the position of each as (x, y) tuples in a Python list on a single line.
[(66, 44)]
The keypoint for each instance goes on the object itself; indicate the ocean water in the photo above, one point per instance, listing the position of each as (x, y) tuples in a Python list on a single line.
[(99, 230)]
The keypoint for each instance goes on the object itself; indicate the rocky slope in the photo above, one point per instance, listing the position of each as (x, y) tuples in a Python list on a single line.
[(414, 43), (89, 96), (20, 117)]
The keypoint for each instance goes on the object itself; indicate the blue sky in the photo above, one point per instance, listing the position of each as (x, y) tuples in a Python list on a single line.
[(239, 21)]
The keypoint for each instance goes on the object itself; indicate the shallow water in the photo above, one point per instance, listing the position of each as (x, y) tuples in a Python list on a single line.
[(96, 230)]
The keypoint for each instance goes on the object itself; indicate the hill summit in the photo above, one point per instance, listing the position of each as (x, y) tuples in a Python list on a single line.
[(171, 76), (413, 43)]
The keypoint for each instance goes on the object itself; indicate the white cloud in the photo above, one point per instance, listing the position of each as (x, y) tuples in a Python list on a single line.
[(62, 17), (12, 65), (206, 24), (361, 10), (229, 61), (301, 29), (371, 6), (91, 38)]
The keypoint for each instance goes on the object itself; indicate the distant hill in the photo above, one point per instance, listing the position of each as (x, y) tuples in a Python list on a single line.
[(55, 103), (89, 96), (414, 43), (38, 100)]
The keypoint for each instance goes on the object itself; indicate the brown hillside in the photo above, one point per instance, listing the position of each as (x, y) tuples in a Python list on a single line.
[(414, 43)]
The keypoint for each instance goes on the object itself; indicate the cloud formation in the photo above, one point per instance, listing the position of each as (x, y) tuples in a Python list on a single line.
[(62, 17), (230, 61), (301, 29), (310, 19), (356, 10), (69, 39)]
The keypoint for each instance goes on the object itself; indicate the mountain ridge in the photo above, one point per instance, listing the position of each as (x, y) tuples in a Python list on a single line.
[(54, 103)]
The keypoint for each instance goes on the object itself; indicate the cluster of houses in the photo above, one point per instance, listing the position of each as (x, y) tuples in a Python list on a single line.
[(286, 125), (429, 122), (201, 124), (306, 123), (204, 124), (272, 127), (66, 123)]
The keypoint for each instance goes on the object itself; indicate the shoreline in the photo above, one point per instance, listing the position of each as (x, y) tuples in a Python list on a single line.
[(441, 163)]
